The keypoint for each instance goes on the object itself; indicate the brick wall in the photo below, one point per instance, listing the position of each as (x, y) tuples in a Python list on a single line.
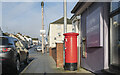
[(50, 51), (54, 53), (59, 55)]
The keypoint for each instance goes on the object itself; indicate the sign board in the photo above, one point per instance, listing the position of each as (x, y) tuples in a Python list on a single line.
[(41, 35), (94, 28), (42, 31)]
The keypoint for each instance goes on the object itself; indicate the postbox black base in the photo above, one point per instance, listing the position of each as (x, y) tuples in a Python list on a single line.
[(70, 66)]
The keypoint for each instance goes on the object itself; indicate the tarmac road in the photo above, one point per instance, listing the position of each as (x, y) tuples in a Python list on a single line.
[(32, 56)]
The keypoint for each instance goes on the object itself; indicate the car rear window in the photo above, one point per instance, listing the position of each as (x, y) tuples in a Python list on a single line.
[(3, 41)]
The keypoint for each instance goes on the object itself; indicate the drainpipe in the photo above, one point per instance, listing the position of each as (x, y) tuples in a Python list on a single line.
[(79, 41)]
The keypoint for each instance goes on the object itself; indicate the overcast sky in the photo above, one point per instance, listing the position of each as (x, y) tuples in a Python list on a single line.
[(25, 17)]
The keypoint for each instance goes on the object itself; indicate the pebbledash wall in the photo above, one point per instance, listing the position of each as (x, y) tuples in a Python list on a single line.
[(94, 32)]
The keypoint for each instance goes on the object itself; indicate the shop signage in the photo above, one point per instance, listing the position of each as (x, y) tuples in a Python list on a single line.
[(94, 27)]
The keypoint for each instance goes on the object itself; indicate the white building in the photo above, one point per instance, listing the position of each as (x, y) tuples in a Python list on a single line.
[(1, 31), (23, 40), (56, 30), (20, 36), (29, 40), (35, 41)]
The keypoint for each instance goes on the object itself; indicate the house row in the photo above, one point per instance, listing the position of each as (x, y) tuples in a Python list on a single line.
[(27, 41), (36, 41), (1, 31)]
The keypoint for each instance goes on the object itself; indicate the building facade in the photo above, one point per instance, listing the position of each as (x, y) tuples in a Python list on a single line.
[(100, 43), (56, 30), (35, 41), (1, 32), (114, 43)]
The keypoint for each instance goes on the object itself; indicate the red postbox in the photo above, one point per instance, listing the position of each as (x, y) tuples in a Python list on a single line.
[(70, 51)]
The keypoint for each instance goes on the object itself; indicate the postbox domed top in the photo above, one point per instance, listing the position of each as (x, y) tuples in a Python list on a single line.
[(71, 34)]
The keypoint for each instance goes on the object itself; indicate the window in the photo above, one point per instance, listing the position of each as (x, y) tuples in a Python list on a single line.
[(115, 35), (59, 34), (84, 53), (73, 28), (114, 5), (17, 44), (3, 41), (55, 38), (58, 27)]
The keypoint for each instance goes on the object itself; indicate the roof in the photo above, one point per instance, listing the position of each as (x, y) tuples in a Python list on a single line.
[(17, 37), (34, 38), (61, 21), (28, 36), (19, 33), (6, 34), (78, 5)]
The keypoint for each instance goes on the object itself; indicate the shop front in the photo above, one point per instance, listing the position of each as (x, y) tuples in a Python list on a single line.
[(94, 35), (115, 36), (100, 35)]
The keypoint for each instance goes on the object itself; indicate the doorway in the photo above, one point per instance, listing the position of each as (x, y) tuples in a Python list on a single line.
[(115, 43)]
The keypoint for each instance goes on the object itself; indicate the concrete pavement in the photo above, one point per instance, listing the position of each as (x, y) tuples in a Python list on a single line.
[(45, 64), (42, 64)]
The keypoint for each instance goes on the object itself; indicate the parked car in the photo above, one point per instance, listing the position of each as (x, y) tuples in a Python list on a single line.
[(38, 48), (31, 46), (12, 53)]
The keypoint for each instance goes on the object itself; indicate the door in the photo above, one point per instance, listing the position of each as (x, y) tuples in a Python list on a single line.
[(115, 42)]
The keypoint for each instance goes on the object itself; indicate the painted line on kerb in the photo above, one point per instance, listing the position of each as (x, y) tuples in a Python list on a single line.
[(27, 66)]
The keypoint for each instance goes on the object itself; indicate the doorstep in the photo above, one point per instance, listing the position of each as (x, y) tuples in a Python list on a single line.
[(79, 71), (111, 72)]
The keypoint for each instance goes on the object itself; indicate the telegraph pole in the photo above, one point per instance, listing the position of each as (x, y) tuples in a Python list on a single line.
[(42, 5), (65, 16), (65, 26)]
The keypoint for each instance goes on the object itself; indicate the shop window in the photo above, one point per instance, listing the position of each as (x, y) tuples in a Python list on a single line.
[(115, 41), (115, 5), (84, 53), (115, 36)]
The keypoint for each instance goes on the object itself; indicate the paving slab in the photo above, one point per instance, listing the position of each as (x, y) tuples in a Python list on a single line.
[(45, 64), (42, 64)]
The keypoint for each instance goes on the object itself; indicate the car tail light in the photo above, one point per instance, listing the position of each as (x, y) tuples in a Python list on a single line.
[(6, 49)]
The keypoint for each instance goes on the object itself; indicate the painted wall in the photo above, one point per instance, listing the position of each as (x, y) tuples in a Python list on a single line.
[(1, 31), (97, 57), (56, 31)]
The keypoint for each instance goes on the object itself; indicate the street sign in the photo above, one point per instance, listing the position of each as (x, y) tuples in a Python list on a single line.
[(41, 35), (42, 31)]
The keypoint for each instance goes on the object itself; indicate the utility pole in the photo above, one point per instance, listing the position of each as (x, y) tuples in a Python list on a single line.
[(65, 26), (65, 16), (42, 5)]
